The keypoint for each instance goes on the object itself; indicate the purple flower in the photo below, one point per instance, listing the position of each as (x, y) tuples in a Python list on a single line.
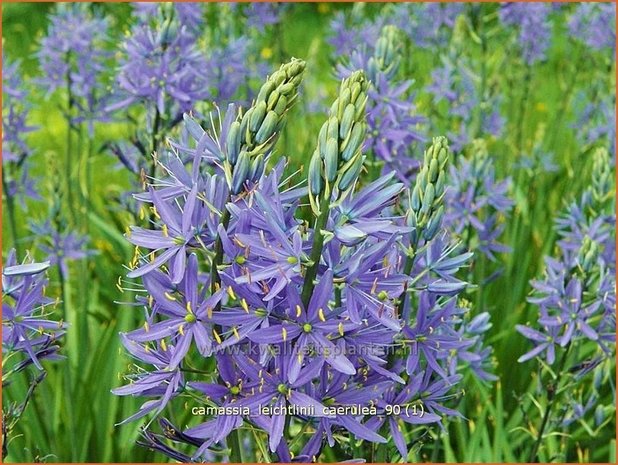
[(26, 327), (399, 403), (275, 390), (595, 25), (534, 27), (178, 232), (429, 338), (163, 383), (188, 315), (15, 130), (161, 67), (73, 56), (61, 246), (477, 202), (261, 15)]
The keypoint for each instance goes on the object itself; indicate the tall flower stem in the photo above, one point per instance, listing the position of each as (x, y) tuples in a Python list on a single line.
[(316, 251), (69, 142), (154, 142), (407, 270), (10, 209), (522, 110), (215, 279), (483, 83), (551, 397), (235, 447)]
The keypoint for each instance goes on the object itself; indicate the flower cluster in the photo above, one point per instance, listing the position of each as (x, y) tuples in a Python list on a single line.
[(534, 28), (576, 298), (324, 328), (73, 56), (26, 327), (427, 24), (162, 66), (477, 203), (16, 152), (473, 111), (595, 25)]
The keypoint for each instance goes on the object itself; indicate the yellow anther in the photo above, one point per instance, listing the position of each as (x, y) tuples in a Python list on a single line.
[(230, 292), (152, 256), (163, 345), (169, 296), (340, 327), (156, 213), (321, 315), (165, 231), (142, 215), (235, 331), (284, 333), (209, 312), (181, 330), (243, 304), (150, 301), (189, 309), (216, 335), (298, 311), (146, 326)]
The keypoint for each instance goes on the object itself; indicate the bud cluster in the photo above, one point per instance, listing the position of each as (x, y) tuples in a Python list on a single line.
[(426, 209), (602, 178), (250, 139), (387, 55), (337, 159)]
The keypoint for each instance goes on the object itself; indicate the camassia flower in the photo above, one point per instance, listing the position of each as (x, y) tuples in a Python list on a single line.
[(161, 67), (296, 319), (26, 325), (576, 292)]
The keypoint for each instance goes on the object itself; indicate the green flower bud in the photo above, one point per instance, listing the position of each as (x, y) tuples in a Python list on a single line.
[(257, 116), (347, 120), (350, 176), (282, 105), (257, 167), (315, 174), (267, 128), (330, 159), (241, 170), (353, 142), (233, 142)]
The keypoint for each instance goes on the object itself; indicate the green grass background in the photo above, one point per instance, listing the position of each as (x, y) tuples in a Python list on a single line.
[(72, 415)]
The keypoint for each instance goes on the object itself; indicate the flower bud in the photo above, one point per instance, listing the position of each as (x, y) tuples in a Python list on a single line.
[(268, 127), (315, 174), (241, 170), (233, 142), (257, 116)]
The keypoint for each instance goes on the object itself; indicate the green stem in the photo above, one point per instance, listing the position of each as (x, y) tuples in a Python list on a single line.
[(72, 344), (10, 207), (235, 447), (316, 250), (153, 150), (69, 147), (483, 83), (217, 260), (407, 269), (522, 110), (154, 143), (551, 397)]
